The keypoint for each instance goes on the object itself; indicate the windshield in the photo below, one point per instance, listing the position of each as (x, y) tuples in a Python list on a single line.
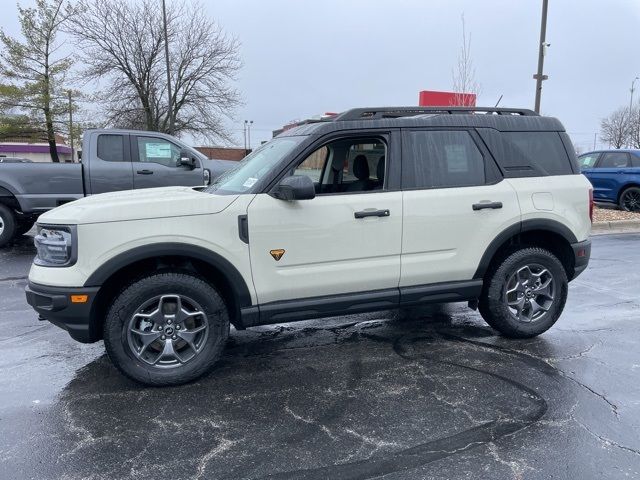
[(253, 167)]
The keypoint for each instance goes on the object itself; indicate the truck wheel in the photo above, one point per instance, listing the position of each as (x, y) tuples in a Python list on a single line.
[(524, 294), (630, 199), (7, 225), (166, 329)]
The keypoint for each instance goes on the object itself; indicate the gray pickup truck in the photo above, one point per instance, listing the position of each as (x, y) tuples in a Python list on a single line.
[(111, 160)]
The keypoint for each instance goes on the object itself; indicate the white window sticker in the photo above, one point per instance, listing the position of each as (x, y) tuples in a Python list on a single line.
[(158, 150), (249, 182)]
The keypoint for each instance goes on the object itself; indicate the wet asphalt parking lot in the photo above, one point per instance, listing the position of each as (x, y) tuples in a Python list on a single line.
[(429, 394)]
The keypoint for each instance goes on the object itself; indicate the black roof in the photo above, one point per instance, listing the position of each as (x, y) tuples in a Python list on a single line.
[(502, 119)]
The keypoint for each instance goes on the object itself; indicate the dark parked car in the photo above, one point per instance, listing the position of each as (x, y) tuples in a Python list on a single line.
[(112, 160), (615, 176)]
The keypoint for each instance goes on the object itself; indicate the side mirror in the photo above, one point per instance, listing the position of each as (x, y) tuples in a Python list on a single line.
[(186, 159), (295, 187)]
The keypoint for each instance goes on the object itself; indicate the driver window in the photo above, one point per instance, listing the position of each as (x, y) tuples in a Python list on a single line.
[(346, 166), (158, 150)]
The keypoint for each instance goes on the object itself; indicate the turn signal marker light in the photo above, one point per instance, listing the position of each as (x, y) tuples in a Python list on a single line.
[(79, 298)]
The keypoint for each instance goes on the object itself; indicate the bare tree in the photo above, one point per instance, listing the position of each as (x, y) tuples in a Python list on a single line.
[(464, 76), (33, 72), (634, 128), (123, 50), (615, 128)]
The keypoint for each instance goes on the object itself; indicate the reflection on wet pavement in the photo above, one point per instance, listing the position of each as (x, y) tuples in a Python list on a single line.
[(431, 393)]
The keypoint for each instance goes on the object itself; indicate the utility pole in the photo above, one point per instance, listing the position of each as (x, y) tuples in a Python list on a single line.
[(539, 77), (244, 131), (71, 124), (249, 133), (166, 55), (632, 90)]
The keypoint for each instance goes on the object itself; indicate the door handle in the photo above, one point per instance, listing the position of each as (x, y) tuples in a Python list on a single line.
[(482, 206), (145, 172), (372, 213)]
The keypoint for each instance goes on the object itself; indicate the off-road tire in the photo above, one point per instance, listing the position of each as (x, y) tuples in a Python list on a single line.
[(8, 221), (493, 306), (125, 306)]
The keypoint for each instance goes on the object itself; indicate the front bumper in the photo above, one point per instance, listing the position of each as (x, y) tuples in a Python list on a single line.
[(581, 255), (54, 304)]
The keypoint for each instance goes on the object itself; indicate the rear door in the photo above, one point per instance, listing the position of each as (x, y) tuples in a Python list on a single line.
[(609, 175), (455, 203), (155, 164), (109, 164)]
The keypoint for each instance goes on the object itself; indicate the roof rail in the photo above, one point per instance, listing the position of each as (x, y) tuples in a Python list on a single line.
[(395, 112)]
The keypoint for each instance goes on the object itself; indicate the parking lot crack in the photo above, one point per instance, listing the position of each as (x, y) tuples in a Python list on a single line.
[(223, 446), (606, 441), (310, 421)]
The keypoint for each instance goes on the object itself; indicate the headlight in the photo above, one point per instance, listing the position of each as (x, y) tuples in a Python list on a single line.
[(56, 246)]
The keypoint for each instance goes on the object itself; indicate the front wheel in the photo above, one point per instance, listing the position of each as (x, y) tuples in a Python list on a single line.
[(525, 293), (7, 225), (166, 329), (630, 199)]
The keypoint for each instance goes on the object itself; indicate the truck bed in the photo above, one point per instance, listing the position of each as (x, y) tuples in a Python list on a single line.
[(42, 186)]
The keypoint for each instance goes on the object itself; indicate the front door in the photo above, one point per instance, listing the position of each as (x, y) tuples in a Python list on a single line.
[(155, 164), (345, 240)]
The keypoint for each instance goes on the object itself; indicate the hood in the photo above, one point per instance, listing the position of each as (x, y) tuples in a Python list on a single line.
[(137, 205)]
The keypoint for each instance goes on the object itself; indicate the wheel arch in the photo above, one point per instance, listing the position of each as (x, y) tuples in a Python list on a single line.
[(8, 198), (114, 274), (545, 233)]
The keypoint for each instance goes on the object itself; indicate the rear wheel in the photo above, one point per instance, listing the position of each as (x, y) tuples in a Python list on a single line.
[(7, 225), (630, 199), (166, 329), (525, 293)]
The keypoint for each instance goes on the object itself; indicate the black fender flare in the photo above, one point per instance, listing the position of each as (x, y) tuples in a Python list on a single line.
[(543, 224), (122, 260)]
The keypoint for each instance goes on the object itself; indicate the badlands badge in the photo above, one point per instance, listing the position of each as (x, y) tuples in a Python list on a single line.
[(277, 254)]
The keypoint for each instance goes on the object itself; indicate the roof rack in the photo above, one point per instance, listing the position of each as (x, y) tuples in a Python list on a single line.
[(395, 112)]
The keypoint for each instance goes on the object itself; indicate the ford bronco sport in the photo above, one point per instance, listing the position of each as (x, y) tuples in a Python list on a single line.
[(373, 209)]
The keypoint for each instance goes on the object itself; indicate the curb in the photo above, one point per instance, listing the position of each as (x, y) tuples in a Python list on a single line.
[(616, 226)]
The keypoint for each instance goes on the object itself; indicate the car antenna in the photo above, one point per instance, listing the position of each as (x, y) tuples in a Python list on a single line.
[(496, 105)]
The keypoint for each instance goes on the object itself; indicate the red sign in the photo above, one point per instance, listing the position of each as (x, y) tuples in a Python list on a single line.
[(430, 98)]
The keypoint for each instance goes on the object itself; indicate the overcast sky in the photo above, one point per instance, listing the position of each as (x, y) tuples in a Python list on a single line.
[(303, 58)]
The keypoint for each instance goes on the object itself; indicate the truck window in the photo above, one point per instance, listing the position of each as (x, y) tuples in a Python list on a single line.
[(158, 150), (111, 148), (439, 159)]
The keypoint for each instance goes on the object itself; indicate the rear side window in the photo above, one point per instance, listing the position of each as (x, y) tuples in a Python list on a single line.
[(614, 160), (543, 150), (111, 148), (438, 159)]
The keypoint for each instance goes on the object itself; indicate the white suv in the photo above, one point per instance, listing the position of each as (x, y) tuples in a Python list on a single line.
[(373, 209)]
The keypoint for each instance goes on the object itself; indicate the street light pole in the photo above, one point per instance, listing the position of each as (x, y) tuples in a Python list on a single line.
[(244, 132), (632, 89), (539, 77), (166, 56), (70, 124)]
